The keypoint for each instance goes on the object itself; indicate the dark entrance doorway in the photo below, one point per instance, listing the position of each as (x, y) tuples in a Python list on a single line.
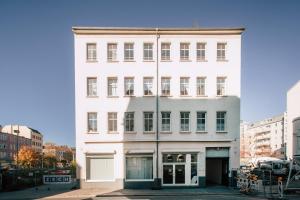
[(217, 171)]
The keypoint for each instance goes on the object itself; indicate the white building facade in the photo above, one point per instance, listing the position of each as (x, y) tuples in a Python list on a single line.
[(157, 106), (293, 120)]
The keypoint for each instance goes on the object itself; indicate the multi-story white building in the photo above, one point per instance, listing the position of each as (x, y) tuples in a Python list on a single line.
[(293, 120), (265, 138), (157, 106)]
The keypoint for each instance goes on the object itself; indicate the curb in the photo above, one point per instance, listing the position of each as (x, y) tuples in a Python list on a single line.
[(161, 194)]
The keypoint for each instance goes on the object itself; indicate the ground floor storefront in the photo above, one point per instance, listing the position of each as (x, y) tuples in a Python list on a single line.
[(133, 165)]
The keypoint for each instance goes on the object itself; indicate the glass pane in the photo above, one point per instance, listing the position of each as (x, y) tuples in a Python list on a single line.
[(194, 177), (139, 167), (179, 174), (168, 174)]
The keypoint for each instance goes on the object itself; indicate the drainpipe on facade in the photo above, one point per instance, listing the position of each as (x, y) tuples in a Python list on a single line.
[(157, 181)]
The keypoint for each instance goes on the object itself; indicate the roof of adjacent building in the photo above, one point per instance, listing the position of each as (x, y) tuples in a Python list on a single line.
[(160, 31)]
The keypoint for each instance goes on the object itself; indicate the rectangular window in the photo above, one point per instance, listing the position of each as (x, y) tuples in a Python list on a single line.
[(165, 86), (184, 51), (92, 122), (111, 52), (129, 86), (148, 51), (91, 54), (128, 51), (201, 121), (129, 121), (201, 51), (148, 121), (165, 51), (221, 121), (148, 86), (91, 87), (112, 87), (112, 122), (166, 121), (221, 86), (184, 121), (184, 86), (201, 86), (139, 167), (100, 168), (221, 51)]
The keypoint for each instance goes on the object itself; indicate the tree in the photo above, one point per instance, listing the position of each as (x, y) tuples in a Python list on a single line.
[(50, 161), (27, 157)]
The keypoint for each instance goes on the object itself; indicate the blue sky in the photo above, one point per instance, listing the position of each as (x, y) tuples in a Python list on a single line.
[(37, 60)]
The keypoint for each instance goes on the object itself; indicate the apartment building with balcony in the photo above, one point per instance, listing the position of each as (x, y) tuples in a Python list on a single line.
[(157, 106), (265, 138)]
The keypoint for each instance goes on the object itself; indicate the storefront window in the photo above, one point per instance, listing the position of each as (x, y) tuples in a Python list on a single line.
[(139, 167)]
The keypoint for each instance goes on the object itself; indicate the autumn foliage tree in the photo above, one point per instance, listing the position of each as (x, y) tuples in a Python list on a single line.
[(27, 157)]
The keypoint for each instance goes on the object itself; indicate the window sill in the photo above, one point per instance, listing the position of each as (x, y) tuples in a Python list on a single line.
[(148, 96), (166, 96), (221, 132), (185, 132), (165, 132), (203, 96), (148, 60), (130, 132), (129, 60), (91, 181), (129, 96), (112, 132), (112, 61), (91, 61), (202, 60), (148, 132), (138, 180), (112, 96), (92, 97), (165, 60), (92, 133), (221, 95), (201, 132), (221, 60), (185, 96), (185, 60)]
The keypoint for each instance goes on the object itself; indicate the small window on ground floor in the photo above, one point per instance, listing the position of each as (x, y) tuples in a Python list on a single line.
[(139, 167), (100, 168)]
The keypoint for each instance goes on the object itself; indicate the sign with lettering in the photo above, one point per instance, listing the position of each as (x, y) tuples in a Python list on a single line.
[(57, 179)]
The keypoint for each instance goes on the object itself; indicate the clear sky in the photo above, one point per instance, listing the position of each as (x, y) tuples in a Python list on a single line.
[(37, 59)]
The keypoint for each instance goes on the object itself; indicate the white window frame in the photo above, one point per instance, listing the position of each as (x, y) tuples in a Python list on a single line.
[(148, 118), (165, 118), (148, 86), (221, 86), (94, 121), (165, 83), (165, 54), (129, 86), (184, 86), (91, 53), (129, 49), (112, 87), (200, 118), (189, 118), (91, 86), (221, 51), (201, 51), (141, 156), (148, 51), (112, 49), (201, 86), (184, 51), (219, 118), (112, 117), (129, 120)]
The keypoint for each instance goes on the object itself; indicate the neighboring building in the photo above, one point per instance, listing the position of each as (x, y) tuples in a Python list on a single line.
[(35, 136), (9, 146), (157, 106), (293, 120), (265, 138), (61, 152)]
